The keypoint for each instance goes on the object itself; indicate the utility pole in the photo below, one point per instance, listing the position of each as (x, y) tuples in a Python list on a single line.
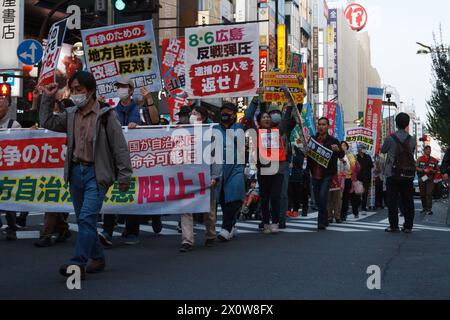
[(110, 13)]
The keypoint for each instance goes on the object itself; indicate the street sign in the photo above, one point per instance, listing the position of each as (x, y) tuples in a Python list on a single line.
[(30, 52), (356, 16)]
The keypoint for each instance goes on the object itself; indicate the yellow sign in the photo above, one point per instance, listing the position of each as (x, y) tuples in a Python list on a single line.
[(273, 82), (281, 47)]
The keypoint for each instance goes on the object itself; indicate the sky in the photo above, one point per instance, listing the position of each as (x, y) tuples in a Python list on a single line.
[(394, 27)]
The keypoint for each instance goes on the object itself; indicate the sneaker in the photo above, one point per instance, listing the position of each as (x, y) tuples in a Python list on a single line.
[(261, 226), (105, 239), (63, 271), (44, 241), (11, 235), (282, 225), (224, 235), (392, 230), (185, 247), (233, 233), (404, 230), (96, 266), (131, 240), (274, 228), (210, 243), (156, 224), (295, 214), (21, 221), (266, 229), (63, 236)]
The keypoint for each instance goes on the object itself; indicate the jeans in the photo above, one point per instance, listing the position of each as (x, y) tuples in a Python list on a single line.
[(402, 190), (87, 201), (321, 188), (269, 190), (284, 198)]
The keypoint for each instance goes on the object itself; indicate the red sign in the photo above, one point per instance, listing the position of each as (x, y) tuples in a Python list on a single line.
[(356, 16), (263, 62), (321, 73), (373, 118), (329, 112), (174, 74)]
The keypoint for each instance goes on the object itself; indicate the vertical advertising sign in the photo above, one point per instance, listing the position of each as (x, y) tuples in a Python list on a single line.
[(373, 115), (11, 32), (263, 62), (127, 49), (315, 60), (52, 52), (222, 61), (174, 75), (281, 36), (332, 54), (329, 111)]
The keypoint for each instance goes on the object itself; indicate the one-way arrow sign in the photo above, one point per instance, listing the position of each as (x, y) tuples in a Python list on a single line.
[(30, 52)]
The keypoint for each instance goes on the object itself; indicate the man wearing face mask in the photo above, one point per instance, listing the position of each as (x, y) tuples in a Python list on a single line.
[(127, 110), (97, 155)]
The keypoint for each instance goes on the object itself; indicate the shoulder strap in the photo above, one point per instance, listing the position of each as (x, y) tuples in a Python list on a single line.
[(10, 123), (404, 145)]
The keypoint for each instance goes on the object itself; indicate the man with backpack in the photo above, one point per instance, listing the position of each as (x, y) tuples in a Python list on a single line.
[(400, 171)]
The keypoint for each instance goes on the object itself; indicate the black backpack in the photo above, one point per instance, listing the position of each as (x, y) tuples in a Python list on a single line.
[(404, 167)]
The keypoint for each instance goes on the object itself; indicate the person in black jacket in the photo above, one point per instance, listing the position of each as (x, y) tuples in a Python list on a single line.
[(298, 184), (321, 176), (365, 174), (445, 166)]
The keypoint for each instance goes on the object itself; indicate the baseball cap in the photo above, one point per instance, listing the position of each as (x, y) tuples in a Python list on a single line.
[(230, 106), (184, 111), (125, 81)]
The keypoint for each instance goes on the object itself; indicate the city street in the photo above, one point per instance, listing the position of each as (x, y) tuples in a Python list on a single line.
[(299, 263)]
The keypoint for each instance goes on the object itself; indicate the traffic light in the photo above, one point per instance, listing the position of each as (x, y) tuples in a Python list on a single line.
[(131, 7), (5, 90), (119, 5)]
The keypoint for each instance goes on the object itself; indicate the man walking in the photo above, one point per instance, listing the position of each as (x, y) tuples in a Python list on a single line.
[(400, 171), (97, 155), (365, 174), (427, 167), (321, 176)]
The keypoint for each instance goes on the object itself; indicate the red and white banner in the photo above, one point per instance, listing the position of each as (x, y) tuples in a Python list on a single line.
[(263, 62), (222, 61), (52, 52), (329, 112), (169, 174), (174, 75), (373, 115)]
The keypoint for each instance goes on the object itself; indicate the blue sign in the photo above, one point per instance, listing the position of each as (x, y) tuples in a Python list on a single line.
[(30, 52), (9, 80)]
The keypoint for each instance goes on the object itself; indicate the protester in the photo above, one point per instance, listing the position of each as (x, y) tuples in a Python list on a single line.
[(199, 115), (365, 174), (321, 176), (299, 181), (94, 160), (337, 187), (348, 194), (380, 194), (427, 167), (400, 172)]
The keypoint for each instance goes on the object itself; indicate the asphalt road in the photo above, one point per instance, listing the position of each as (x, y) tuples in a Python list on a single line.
[(298, 264)]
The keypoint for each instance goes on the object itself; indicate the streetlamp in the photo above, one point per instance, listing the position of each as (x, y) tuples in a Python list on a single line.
[(427, 49)]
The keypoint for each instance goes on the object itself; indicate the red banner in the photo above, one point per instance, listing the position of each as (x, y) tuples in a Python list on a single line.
[(373, 118), (329, 112), (174, 74), (263, 62)]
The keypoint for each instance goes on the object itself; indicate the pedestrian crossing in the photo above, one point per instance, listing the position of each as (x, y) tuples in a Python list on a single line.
[(293, 225)]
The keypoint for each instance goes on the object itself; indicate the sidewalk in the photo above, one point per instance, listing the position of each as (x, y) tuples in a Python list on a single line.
[(440, 214)]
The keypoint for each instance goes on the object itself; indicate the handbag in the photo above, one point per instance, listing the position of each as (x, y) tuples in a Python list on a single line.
[(358, 187)]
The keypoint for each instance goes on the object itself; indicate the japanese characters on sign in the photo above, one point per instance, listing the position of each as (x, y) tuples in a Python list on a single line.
[(174, 74), (11, 32), (263, 62), (273, 82), (122, 50), (52, 52), (296, 63), (168, 176), (356, 16), (361, 136), (329, 112), (222, 61), (373, 115), (319, 153)]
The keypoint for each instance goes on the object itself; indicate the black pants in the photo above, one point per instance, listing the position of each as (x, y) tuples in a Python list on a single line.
[(298, 196), (230, 212), (131, 223), (380, 195), (10, 219), (365, 195), (270, 192), (348, 197), (400, 191)]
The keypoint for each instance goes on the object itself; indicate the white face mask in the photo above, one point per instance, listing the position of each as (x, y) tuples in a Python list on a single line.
[(193, 119), (123, 93), (80, 100)]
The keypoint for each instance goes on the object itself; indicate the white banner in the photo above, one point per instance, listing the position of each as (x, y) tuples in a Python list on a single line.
[(11, 32), (169, 174)]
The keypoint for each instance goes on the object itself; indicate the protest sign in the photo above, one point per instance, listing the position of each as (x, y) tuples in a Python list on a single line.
[(319, 153), (127, 49), (329, 112), (373, 116), (222, 61), (166, 178), (273, 82), (361, 136)]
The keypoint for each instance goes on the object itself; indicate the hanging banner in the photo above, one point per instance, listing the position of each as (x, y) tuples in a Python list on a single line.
[(339, 132), (127, 49), (263, 62), (296, 63), (319, 153), (222, 61), (373, 115), (329, 112), (174, 75), (52, 51), (361, 136), (281, 45), (309, 129), (273, 82), (169, 176)]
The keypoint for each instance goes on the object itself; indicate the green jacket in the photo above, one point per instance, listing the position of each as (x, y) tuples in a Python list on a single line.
[(111, 156)]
